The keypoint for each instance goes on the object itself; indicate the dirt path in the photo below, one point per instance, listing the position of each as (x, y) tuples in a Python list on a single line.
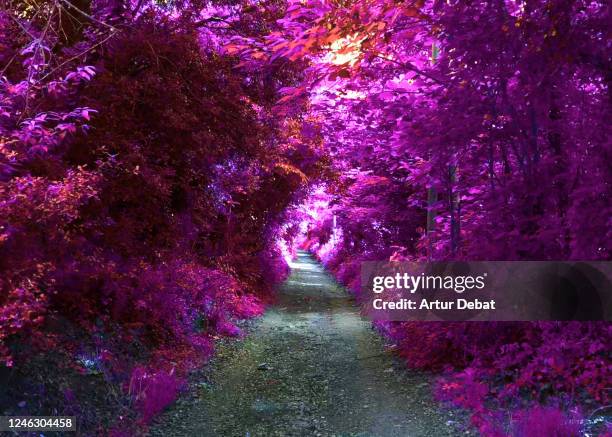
[(310, 367)]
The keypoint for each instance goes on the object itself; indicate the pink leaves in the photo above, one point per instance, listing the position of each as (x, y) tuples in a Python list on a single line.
[(85, 73), (289, 94), (152, 391), (85, 113), (41, 132), (549, 421), (21, 309), (46, 130), (465, 391)]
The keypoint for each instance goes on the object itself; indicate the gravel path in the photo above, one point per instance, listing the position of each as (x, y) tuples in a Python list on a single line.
[(311, 366)]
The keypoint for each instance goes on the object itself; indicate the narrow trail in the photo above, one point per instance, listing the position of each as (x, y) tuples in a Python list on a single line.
[(311, 366)]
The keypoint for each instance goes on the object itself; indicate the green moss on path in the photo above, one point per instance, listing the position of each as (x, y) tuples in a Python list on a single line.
[(311, 366)]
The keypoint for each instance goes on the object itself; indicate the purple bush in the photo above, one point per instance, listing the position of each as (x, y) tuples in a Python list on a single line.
[(152, 392), (545, 421)]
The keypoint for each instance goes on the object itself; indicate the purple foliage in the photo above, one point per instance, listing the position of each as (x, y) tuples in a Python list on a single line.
[(160, 164), (153, 391), (545, 421)]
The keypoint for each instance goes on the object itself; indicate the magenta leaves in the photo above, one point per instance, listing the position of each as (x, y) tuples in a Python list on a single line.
[(152, 157), (153, 391)]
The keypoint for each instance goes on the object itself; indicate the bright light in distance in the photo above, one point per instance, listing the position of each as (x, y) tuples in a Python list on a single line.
[(345, 50)]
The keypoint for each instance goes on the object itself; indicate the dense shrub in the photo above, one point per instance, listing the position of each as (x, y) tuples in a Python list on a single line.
[(152, 392), (143, 177)]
